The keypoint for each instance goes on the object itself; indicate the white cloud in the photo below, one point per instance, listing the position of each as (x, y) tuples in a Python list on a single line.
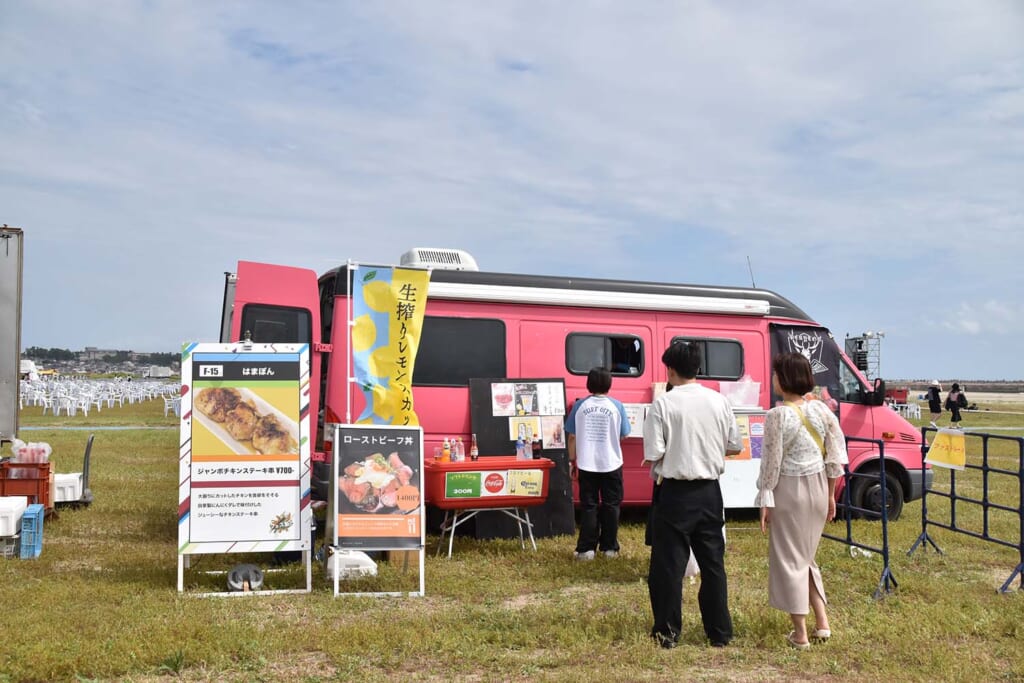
[(987, 317)]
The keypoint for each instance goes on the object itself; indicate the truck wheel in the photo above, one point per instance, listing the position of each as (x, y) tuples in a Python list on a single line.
[(867, 494)]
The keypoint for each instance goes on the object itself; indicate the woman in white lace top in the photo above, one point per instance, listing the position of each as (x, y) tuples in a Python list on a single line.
[(796, 494)]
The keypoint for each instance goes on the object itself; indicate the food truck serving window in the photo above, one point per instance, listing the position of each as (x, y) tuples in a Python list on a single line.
[(720, 358), (454, 349), (621, 354), (276, 324)]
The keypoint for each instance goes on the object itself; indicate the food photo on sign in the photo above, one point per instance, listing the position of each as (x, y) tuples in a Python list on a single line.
[(245, 422), (385, 481)]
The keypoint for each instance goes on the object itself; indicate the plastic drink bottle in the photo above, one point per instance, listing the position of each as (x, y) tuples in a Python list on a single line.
[(460, 450), (446, 451), (520, 449)]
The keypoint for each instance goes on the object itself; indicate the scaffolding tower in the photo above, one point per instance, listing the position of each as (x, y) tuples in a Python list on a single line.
[(866, 352)]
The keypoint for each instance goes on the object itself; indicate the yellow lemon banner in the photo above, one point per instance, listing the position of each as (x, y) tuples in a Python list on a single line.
[(387, 307), (948, 450)]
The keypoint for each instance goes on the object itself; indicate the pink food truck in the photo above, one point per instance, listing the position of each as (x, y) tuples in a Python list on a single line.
[(501, 325)]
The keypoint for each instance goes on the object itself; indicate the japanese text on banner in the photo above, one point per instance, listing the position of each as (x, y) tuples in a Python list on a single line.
[(949, 449), (388, 305)]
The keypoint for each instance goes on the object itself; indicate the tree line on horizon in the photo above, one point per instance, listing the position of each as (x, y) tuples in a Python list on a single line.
[(39, 353)]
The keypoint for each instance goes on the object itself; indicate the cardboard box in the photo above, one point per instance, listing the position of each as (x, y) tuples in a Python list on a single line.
[(403, 559), (11, 510)]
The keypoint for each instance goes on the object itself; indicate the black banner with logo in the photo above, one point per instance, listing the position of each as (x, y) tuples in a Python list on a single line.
[(817, 346)]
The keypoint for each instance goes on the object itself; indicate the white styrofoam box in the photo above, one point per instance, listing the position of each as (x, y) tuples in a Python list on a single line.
[(68, 487), (349, 564), (11, 510)]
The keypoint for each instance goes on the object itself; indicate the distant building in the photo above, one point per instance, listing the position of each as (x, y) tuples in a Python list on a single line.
[(93, 353), (27, 369)]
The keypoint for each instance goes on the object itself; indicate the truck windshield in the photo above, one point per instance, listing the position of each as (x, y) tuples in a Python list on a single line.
[(851, 388)]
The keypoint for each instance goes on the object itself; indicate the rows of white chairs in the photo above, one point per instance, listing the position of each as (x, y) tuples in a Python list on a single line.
[(71, 396)]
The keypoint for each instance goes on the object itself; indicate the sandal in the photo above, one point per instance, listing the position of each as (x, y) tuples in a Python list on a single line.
[(822, 634), (793, 643)]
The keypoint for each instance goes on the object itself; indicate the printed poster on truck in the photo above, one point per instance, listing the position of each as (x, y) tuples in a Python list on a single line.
[(751, 428), (245, 453), (378, 496)]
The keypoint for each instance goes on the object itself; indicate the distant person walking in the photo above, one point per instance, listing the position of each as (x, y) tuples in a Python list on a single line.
[(687, 434), (935, 402), (802, 457), (595, 426), (955, 400)]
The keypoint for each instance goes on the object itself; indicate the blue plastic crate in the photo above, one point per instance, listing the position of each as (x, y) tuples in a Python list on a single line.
[(32, 532)]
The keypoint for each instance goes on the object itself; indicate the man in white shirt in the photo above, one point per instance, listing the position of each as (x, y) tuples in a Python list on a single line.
[(687, 434)]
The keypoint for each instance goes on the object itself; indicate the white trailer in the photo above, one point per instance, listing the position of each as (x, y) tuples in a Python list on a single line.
[(11, 255)]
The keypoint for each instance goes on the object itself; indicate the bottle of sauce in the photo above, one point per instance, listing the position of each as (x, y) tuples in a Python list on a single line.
[(474, 451), (536, 446)]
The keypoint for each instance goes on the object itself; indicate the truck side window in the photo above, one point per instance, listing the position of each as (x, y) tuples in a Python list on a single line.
[(721, 359), (851, 389), (622, 354), (276, 324), (454, 349)]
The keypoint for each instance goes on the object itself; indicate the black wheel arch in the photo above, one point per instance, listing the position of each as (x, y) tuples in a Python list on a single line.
[(892, 468)]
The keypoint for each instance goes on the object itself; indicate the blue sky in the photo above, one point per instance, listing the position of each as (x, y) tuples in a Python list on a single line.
[(868, 157)]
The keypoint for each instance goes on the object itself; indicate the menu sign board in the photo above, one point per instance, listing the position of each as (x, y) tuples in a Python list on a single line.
[(245, 453), (378, 496)]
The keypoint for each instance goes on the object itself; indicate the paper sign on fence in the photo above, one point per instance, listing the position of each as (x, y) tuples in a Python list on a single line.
[(948, 450)]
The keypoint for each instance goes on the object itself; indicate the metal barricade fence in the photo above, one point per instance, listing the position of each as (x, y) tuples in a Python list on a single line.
[(887, 582), (987, 506)]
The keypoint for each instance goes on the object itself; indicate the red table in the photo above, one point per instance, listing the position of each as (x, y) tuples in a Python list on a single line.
[(492, 483)]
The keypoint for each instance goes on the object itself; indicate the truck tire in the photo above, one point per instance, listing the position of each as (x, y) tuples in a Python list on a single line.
[(866, 493)]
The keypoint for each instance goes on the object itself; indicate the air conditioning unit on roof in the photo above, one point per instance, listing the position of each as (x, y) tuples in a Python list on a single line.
[(447, 259)]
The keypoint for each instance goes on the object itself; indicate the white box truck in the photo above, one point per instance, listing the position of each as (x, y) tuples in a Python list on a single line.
[(10, 329)]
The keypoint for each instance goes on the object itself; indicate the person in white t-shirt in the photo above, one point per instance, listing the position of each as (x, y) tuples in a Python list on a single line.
[(594, 428)]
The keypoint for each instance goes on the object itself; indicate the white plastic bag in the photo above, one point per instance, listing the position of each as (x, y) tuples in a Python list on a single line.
[(28, 453), (692, 569), (742, 393)]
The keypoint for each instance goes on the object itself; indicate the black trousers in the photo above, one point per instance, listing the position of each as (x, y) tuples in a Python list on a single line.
[(687, 515), (600, 498)]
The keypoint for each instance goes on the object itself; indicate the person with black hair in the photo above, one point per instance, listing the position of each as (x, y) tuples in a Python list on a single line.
[(955, 400), (687, 434), (594, 428), (935, 402)]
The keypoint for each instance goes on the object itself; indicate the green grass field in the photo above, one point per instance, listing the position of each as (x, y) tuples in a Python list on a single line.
[(101, 602)]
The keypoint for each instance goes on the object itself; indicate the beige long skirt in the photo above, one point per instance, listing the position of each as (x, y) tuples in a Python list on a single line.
[(797, 521)]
